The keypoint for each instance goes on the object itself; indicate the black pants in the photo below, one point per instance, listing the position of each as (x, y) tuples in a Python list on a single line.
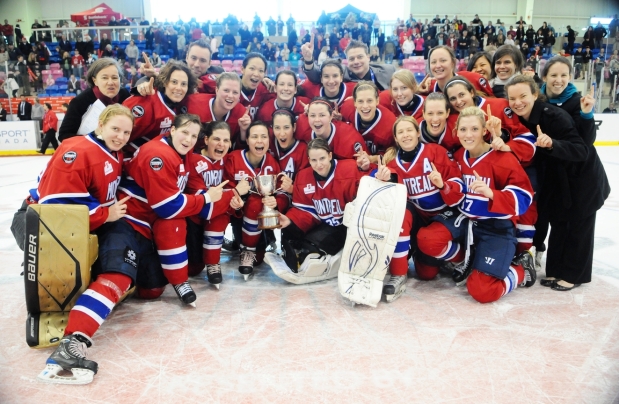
[(50, 137), (541, 231), (570, 250)]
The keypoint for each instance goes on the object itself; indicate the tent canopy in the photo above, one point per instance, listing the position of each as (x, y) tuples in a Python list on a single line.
[(362, 16), (101, 15)]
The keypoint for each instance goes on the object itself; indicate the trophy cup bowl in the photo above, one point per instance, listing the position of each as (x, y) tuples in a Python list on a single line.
[(268, 218)]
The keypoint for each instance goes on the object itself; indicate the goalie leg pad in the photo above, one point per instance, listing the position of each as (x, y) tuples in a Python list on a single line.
[(315, 268), (374, 223)]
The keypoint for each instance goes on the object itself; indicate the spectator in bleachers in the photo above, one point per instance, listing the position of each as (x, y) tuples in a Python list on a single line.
[(599, 33), (285, 54), (80, 46), (290, 25), (389, 50), (463, 45), (73, 85), (428, 44), (254, 46), (271, 26), (50, 127), (181, 45), (24, 76), (2, 114), (408, 47), (132, 52), (49, 81), (10, 85), (77, 61), (155, 60), (13, 53), (245, 35), (257, 34), (473, 46), (588, 38), (7, 30), (121, 56), (107, 52), (89, 45), (104, 42), (587, 56), (64, 44), (294, 58), (481, 62), (103, 80), (90, 59), (530, 37), (229, 42), (134, 76)]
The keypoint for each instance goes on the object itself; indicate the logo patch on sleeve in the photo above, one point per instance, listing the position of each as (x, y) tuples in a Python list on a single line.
[(508, 112), (358, 147), (130, 257), (137, 111), (156, 163), (69, 157), (183, 109)]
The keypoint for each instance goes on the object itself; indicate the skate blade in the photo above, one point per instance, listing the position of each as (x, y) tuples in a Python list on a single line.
[(192, 304), (463, 282), (216, 285), (395, 296), (79, 376), (248, 276)]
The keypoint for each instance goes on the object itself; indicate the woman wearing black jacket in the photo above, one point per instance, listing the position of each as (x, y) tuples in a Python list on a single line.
[(530, 36), (573, 184), (104, 81), (562, 93), (588, 38)]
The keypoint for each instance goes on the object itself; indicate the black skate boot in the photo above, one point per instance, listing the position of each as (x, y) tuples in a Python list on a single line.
[(213, 272), (70, 356), (185, 293), (246, 268), (530, 274), (463, 270), (230, 245), (394, 288)]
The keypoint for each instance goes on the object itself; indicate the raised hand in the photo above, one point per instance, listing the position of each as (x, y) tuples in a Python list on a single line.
[(382, 173), (117, 210), (269, 84), (435, 177), (336, 114), (363, 160), (243, 186), (305, 107), (543, 140), (493, 126), (307, 51), (287, 184), (588, 101), (216, 192), (147, 88), (480, 187), (244, 123), (424, 86), (147, 68)]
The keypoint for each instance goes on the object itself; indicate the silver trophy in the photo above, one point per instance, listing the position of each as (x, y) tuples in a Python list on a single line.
[(268, 218)]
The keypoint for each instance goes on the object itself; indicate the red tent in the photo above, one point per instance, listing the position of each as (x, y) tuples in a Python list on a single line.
[(101, 14)]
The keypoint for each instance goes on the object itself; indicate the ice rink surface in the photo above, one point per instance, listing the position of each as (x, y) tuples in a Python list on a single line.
[(266, 341)]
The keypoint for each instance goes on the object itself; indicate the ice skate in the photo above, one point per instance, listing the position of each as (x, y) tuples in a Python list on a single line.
[(213, 273), (463, 270), (394, 288), (246, 268), (185, 293), (530, 275), (230, 245), (538, 260), (69, 357)]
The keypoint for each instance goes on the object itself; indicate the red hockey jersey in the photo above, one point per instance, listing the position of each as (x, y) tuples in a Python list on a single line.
[(421, 191), (255, 101), (312, 90), (82, 172), (324, 201), (202, 105), (344, 140), (203, 174), (387, 101), (477, 80), (379, 136), (447, 139), (155, 179), (152, 118), (292, 161), (265, 114), (505, 176)]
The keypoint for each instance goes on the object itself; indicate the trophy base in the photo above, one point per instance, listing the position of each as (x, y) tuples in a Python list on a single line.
[(268, 222)]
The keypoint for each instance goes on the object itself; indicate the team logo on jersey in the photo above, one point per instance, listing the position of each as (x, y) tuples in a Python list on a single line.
[(107, 169), (358, 147), (201, 166), (508, 111), (240, 176), (69, 157), (156, 163), (309, 189), (137, 111), (166, 123), (483, 82)]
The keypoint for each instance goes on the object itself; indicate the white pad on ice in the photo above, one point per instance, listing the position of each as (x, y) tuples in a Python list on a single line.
[(374, 220), (315, 268)]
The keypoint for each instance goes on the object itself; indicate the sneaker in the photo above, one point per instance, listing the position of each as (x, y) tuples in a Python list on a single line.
[(246, 268), (70, 356), (394, 287), (213, 273), (463, 270), (230, 245), (185, 293), (526, 260)]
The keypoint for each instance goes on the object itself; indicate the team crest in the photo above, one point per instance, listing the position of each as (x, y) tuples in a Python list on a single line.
[(137, 111), (69, 157), (201, 166), (156, 163), (508, 111), (309, 189), (183, 109), (483, 82), (166, 123), (358, 147), (107, 169)]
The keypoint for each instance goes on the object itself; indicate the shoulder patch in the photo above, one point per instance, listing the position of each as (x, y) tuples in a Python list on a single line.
[(137, 111), (183, 109), (358, 147), (483, 82), (508, 112), (69, 157), (156, 163)]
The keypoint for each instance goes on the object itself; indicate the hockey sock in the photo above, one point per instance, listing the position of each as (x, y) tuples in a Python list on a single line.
[(96, 303), (211, 247), (424, 271), (514, 277), (251, 233)]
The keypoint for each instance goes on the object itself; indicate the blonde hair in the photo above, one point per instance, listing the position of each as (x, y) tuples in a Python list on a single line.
[(110, 112), (472, 111), (406, 77), (392, 152)]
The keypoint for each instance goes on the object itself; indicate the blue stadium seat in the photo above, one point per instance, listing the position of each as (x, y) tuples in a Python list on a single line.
[(61, 80), (227, 57), (239, 56)]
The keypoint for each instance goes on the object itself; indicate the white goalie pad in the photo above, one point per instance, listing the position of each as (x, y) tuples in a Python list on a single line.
[(374, 220), (315, 268)]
